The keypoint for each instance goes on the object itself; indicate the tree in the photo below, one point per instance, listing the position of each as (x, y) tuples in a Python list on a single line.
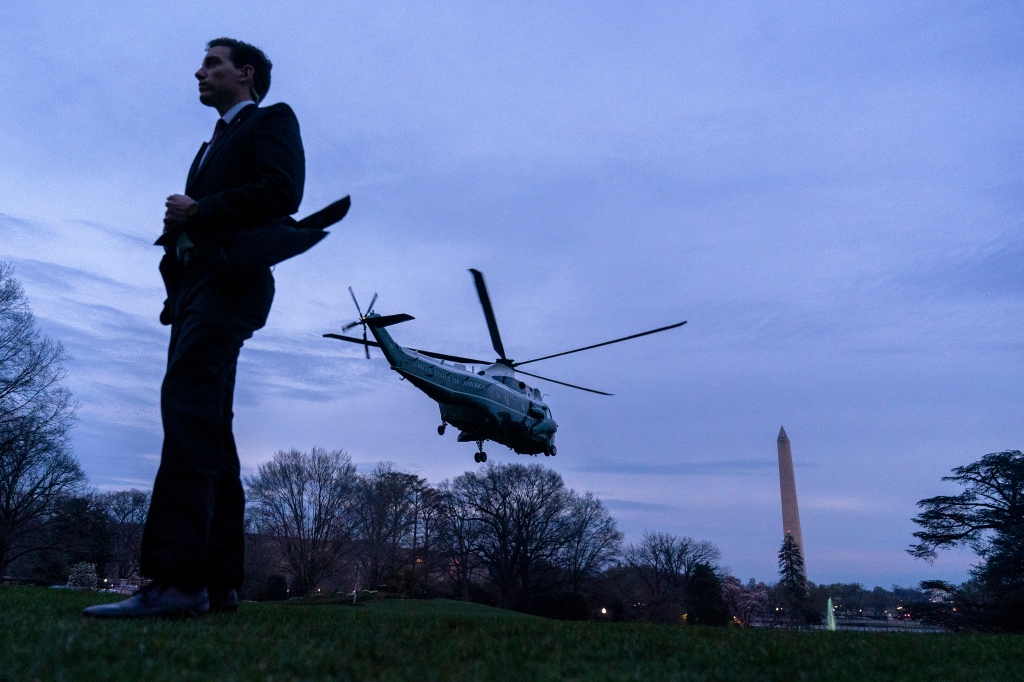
[(126, 510), (77, 530), (791, 567), (744, 602), (591, 539), (664, 562), (430, 510), (457, 538), (988, 517), (81, 530), (36, 412), (385, 519), (264, 564), (301, 500), (516, 515), (704, 603), (792, 585)]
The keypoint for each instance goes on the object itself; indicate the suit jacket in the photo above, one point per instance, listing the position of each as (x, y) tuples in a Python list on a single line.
[(254, 173), (252, 176)]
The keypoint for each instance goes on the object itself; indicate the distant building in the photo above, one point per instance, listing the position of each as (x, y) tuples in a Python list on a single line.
[(787, 484)]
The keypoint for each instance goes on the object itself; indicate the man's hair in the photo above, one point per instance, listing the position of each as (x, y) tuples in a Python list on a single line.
[(244, 53)]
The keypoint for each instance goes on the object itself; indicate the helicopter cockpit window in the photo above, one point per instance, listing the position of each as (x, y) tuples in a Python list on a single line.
[(513, 383)]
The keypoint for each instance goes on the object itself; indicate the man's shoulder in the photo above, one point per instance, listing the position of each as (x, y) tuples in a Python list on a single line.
[(279, 109)]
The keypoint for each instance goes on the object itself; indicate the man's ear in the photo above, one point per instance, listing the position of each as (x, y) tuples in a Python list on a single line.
[(247, 72)]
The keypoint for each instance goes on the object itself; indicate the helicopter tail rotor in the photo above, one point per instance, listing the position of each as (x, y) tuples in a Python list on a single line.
[(362, 320), (367, 320)]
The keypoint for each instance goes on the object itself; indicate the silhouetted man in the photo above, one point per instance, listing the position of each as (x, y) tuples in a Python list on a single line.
[(250, 174)]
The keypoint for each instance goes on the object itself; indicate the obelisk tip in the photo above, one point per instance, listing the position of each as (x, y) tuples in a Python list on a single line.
[(782, 434)]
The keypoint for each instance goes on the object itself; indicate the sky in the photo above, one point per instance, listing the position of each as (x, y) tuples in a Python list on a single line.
[(830, 193)]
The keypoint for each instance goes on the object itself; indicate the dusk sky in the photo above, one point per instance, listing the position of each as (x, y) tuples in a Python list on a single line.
[(830, 193)]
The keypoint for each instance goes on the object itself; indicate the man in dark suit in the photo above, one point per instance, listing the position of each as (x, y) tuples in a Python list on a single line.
[(250, 174)]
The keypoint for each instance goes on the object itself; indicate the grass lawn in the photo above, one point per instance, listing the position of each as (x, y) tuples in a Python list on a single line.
[(42, 636)]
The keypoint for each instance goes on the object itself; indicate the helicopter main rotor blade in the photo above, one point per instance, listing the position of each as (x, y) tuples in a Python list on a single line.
[(555, 381), (352, 339), (606, 343), (358, 309), (451, 358), (492, 324), (432, 354)]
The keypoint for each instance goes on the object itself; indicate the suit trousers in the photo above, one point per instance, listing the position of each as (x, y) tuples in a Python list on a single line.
[(194, 534)]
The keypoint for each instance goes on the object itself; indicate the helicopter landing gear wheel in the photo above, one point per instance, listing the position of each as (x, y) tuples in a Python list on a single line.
[(480, 456), (440, 429), (551, 451)]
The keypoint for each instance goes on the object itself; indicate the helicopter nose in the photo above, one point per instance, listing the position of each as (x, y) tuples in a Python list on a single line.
[(545, 427)]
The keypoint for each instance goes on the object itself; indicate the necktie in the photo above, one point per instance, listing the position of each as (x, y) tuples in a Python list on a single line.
[(221, 125)]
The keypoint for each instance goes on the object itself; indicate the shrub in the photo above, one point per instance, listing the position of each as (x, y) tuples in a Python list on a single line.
[(276, 588), (83, 576)]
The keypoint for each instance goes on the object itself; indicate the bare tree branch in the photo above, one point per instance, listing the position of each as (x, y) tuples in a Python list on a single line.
[(36, 414), (301, 500)]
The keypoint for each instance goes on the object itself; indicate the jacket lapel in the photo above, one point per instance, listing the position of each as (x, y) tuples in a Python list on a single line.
[(222, 139), (195, 166)]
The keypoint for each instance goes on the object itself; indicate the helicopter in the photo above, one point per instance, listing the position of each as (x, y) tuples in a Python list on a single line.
[(491, 403)]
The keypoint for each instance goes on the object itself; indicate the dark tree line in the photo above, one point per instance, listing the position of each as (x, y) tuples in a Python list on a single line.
[(510, 535), (102, 529)]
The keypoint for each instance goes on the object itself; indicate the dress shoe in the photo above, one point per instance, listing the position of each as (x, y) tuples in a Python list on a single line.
[(154, 601), (223, 601)]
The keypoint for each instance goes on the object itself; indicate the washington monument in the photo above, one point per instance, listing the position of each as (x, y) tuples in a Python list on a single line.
[(787, 483)]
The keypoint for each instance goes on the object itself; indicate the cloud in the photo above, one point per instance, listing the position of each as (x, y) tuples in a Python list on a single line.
[(994, 269), (631, 506), (707, 468)]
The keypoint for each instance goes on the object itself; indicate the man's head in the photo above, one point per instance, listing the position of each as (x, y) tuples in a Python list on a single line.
[(232, 72)]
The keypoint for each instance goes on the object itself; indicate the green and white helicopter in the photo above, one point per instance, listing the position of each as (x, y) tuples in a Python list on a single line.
[(488, 404)]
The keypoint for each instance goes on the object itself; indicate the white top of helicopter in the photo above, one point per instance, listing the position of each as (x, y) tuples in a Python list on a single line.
[(506, 375), (498, 372)]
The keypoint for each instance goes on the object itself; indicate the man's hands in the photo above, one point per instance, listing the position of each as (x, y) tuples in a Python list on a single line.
[(177, 211)]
